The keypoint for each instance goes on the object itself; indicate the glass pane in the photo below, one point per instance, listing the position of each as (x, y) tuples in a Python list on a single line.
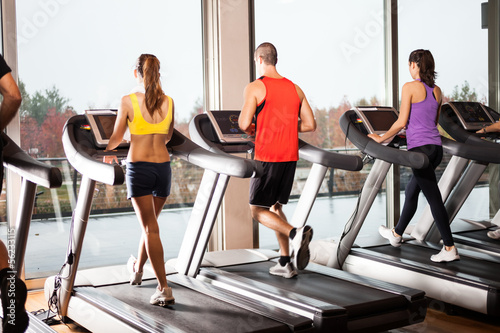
[(74, 56), (459, 46), (335, 53)]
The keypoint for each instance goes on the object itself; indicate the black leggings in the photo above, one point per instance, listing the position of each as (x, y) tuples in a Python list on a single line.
[(425, 180)]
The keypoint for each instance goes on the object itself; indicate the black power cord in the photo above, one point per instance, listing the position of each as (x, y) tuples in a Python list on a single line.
[(53, 302)]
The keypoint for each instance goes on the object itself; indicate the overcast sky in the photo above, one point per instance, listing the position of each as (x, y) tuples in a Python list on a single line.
[(87, 49), (330, 48), (336, 48)]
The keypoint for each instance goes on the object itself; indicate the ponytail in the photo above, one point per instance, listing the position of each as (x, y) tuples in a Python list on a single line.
[(148, 67), (425, 63)]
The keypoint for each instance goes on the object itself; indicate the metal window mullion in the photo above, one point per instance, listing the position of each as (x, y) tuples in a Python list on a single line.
[(392, 98)]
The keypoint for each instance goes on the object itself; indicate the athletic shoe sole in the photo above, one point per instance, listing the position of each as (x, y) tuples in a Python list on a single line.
[(283, 272), (303, 255), (164, 303)]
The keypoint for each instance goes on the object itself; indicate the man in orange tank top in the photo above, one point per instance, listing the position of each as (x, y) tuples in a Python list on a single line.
[(280, 110)]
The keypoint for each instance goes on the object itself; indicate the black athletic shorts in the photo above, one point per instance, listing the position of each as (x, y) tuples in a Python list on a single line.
[(275, 184), (144, 178)]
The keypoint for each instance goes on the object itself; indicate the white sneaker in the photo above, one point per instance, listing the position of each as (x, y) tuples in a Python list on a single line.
[(300, 246), (135, 277), (494, 234), (287, 271), (446, 256), (389, 234), (162, 297)]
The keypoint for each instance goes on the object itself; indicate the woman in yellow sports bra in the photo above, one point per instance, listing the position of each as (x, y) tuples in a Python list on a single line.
[(150, 119)]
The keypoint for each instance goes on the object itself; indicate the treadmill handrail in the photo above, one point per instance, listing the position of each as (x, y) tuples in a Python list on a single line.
[(195, 131), (225, 164), (368, 146), (471, 152), (329, 159), (80, 157), (17, 160), (307, 151)]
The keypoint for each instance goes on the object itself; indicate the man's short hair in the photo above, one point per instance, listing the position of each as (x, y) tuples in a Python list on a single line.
[(268, 53)]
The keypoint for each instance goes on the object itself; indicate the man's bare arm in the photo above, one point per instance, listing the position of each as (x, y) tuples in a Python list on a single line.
[(248, 109), (11, 100), (307, 122)]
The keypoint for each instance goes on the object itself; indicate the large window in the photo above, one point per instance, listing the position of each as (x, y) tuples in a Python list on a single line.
[(335, 52), (452, 31), (77, 55)]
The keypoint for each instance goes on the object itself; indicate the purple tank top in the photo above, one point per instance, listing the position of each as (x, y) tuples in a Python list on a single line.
[(421, 128)]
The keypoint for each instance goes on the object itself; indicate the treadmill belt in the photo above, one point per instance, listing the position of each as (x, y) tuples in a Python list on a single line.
[(466, 267), (359, 300), (479, 237), (193, 311)]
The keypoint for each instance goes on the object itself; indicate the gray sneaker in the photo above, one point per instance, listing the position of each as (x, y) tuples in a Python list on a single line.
[(286, 271), (494, 234), (388, 234), (446, 256), (300, 246), (162, 297)]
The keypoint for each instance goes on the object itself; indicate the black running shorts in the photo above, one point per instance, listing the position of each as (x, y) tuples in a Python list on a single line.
[(275, 184), (145, 178)]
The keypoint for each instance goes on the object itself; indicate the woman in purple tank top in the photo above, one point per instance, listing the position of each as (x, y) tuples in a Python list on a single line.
[(419, 113)]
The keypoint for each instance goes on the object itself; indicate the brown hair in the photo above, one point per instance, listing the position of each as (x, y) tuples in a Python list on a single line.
[(425, 63), (268, 53), (148, 67)]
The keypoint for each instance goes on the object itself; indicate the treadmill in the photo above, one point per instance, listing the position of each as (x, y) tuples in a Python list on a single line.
[(32, 173), (335, 300), (461, 120), (471, 283), (101, 299)]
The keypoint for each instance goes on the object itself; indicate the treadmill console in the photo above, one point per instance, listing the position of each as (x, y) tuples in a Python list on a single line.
[(90, 133), (225, 124), (102, 123), (471, 115), (220, 130), (493, 114), (376, 119), (461, 120)]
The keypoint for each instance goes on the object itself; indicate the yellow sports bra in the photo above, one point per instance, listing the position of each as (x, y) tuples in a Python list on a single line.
[(139, 126)]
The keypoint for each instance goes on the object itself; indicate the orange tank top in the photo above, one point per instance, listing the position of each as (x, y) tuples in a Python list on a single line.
[(139, 126)]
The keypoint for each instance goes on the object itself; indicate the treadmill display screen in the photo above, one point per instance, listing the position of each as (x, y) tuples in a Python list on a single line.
[(472, 113), (105, 125), (228, 122), (102, 123), (376, 119), (225, 124), (381, 121)]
